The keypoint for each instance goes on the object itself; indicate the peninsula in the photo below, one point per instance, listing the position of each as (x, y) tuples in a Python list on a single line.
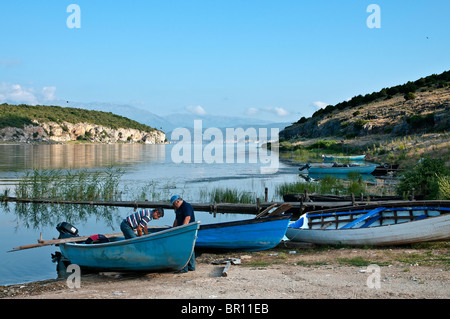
[(49, 124)]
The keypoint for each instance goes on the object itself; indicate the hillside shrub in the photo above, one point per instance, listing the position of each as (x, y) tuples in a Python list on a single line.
[(409, 96), (424, 178)]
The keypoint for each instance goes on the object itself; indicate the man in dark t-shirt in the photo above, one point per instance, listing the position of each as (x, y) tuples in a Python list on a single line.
[(184, 214)]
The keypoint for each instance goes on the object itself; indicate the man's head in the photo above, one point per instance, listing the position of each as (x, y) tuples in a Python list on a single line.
[(176, 201), (158, 213)]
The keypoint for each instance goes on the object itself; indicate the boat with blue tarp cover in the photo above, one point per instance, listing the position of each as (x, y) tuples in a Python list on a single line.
[(166, 250), (389, 223), (243, 235)]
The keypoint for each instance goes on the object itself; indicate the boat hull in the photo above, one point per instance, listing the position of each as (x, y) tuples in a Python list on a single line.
[(430, 229), (323, 169), (246, 235), (166, 250)]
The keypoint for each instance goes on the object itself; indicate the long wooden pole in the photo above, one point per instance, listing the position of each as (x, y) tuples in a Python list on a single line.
[(204, 207), (42, 243)]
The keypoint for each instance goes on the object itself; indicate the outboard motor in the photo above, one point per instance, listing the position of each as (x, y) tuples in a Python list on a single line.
[(66, 230), (306, 166)]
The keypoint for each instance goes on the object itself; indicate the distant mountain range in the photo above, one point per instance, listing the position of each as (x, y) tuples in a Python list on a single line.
[(177, 120)]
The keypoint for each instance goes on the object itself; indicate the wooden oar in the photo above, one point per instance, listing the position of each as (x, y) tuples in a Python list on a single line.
[(264, 212), (42, 243), (280, 210)]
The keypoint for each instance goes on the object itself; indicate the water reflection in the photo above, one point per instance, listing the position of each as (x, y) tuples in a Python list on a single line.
[(39, 216), (75, 156)]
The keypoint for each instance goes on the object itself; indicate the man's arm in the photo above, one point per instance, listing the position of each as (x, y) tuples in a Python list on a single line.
[(139, 230), (187, 220)]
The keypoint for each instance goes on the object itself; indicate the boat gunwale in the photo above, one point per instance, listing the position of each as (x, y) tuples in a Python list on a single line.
[(371, 227), (245, 222), (388, 209), (437, 203)]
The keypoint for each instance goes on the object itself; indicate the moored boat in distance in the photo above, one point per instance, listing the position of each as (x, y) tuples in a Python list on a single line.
[(343, 157), (336, 168), (383, 224), (166, 250)]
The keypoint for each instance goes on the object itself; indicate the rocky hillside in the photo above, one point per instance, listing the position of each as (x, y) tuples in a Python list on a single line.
[(29, 124), (417, 107)]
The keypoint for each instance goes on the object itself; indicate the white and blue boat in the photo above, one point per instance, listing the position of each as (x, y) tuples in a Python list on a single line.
[(389, 223), (166, 250)]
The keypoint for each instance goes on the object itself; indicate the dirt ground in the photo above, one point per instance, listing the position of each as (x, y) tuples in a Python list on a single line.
[(285, 272)]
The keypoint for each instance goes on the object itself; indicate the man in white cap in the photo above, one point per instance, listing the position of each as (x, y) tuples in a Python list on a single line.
[(184, 214)]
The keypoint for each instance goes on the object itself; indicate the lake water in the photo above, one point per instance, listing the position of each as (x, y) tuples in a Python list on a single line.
[(155, 165)]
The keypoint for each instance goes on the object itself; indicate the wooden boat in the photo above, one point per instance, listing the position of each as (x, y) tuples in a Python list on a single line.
[(165, 250), (345, 158), (337, 168), (243, 235), (385, 169), (386, 224)]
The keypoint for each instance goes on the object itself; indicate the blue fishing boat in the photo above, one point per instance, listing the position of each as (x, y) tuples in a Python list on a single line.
[(337, 168), (165, 250), (243, 235)]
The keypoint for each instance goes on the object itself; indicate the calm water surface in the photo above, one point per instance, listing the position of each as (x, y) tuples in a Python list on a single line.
[(142, 165)]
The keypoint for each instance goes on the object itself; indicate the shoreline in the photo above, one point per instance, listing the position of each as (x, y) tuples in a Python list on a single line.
[(287, 272)]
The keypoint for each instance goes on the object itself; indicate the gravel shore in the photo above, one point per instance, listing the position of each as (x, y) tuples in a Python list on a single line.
[(286, 272)]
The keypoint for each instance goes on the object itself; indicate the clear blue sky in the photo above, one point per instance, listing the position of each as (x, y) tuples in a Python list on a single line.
[(276, 60)]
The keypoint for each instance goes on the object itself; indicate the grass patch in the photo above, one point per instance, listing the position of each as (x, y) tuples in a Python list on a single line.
[(305, 263), (355, 261)]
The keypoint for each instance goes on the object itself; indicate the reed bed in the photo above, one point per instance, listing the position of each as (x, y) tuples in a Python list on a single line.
[(70, 184), (330, 185), (229, 195)]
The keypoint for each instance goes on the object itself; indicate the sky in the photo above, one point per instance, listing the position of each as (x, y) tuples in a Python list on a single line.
[(263, 59)]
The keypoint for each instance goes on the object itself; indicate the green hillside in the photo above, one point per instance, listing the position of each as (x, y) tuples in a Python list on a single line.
[(20, 115), (415, 107), (407, 90)]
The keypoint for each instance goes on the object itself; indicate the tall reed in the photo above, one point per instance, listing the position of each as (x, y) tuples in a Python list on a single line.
[(228, 195), (70, 184)]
